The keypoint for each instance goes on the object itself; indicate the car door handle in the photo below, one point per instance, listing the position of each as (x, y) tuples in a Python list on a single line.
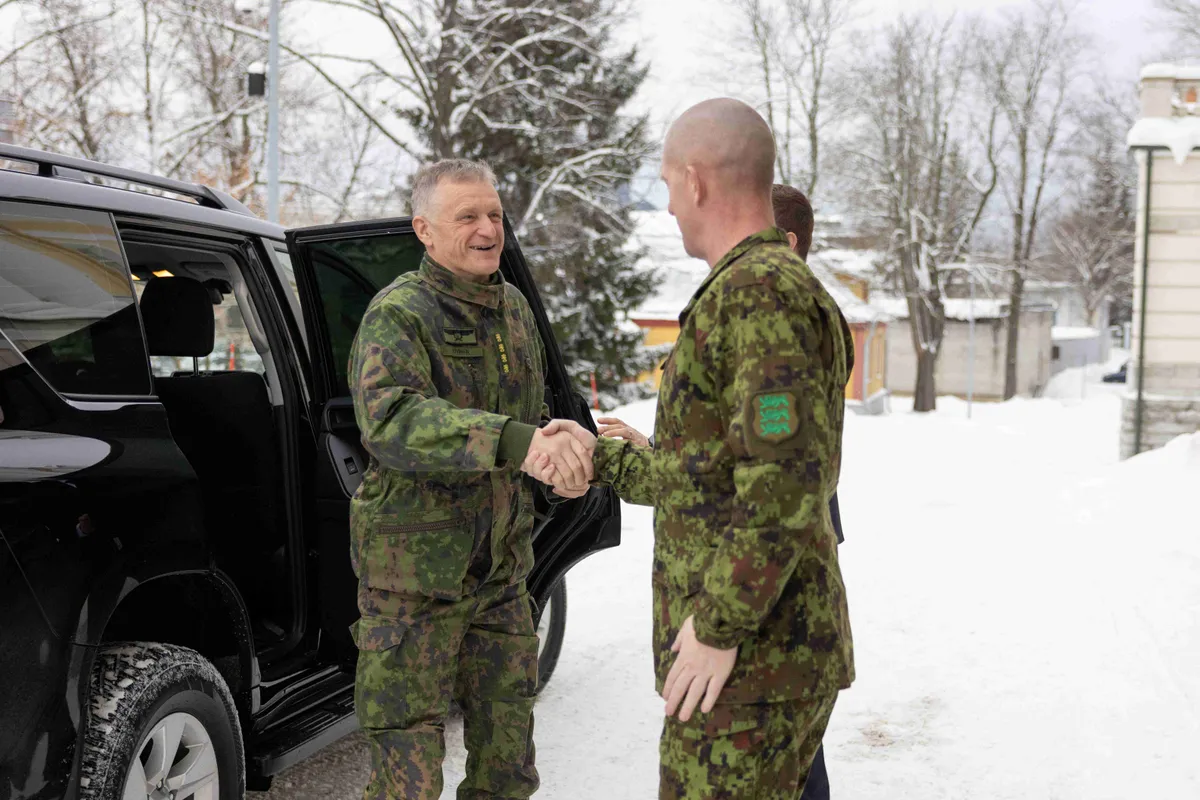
[(339, 416)]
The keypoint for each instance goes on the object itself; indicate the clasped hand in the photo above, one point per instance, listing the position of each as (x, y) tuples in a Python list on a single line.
[(560, 455)]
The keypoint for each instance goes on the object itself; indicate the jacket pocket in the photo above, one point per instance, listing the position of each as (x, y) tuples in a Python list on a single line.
[(427, 557), (378, 633)]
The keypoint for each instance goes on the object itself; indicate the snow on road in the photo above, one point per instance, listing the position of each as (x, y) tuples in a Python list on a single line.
[(1026, 614)]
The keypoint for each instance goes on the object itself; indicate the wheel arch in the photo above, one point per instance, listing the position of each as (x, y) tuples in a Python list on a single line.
[(150, 611)]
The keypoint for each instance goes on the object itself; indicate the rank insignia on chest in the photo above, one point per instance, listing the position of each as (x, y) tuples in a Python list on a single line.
[(775, 418), (459, 335)]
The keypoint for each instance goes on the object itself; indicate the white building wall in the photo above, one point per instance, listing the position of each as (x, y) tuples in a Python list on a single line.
[(953, 368), (1170, 365)]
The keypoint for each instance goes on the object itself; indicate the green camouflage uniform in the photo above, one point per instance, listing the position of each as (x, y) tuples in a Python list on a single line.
[(448, 384), (746, 457)]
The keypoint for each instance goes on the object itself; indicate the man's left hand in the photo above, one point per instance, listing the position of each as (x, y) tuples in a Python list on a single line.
[(699, 672)]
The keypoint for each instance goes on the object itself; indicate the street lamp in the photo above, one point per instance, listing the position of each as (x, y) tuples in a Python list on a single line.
[(260, 82), (256, 79), (273, 116)]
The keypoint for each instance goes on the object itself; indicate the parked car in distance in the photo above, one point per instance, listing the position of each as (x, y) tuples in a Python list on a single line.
[(1118, 376)]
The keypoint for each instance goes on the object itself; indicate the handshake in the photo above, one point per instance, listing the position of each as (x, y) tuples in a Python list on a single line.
[(560, 455)]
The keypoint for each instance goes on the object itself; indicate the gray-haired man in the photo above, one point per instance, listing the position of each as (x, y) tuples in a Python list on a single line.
[(447, 378)]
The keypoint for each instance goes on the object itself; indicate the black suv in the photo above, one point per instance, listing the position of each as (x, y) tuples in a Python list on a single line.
[(177, 454)]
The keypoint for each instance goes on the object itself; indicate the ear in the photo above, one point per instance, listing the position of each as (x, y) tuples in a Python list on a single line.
[(695, 185), (793, 239), (421, 229)]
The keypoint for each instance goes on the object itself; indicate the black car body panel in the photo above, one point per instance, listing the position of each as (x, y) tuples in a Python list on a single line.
[(103, 532)]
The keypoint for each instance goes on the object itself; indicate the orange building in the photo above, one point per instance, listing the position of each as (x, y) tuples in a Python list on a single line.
[(682, 276)]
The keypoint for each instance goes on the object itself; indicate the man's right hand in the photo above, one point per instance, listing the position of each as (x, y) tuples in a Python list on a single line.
[(614, 428), (561, 454)]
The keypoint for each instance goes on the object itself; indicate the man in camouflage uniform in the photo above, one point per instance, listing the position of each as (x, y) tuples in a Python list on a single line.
[(793, 215), (446, 373), (750, 614)]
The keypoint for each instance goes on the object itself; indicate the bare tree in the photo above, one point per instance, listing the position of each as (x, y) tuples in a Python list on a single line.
[(1182, 18), (1029, 66), (1093, 242), (62, 89), (795, 43), (925, 167)]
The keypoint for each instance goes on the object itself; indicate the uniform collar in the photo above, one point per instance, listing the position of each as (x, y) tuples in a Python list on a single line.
[(482, 294), (767, 236)]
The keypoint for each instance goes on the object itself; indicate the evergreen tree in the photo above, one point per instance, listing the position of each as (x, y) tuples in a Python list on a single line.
[(550, 124)]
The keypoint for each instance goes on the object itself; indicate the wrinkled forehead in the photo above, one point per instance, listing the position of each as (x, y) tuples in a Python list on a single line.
[(453, 195)]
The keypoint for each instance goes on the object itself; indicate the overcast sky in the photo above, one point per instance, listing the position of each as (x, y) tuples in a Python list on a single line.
[(681, 39)]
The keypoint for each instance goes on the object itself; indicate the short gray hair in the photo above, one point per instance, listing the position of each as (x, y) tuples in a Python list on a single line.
[(458, 170)]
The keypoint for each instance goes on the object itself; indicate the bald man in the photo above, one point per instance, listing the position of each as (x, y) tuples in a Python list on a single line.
[(750, 616)]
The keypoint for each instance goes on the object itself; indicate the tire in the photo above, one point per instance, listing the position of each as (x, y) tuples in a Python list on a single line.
[(551, 628), (162, 710)]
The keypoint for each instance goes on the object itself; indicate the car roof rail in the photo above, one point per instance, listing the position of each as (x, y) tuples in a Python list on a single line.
[(53, 165)]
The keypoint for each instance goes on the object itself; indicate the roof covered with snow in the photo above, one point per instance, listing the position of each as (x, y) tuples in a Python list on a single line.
[(1062, 333), (682, 275), (961, 309), (1181, 72), (858, 263), (956, 308), (1178, 134)]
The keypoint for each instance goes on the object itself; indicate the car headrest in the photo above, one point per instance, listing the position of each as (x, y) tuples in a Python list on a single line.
[(178, 316)]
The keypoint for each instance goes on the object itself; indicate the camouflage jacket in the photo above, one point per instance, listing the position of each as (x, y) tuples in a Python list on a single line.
[(446, 376), (746, 458)]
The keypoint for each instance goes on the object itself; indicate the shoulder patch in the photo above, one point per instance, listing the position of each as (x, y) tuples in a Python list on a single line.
[(775, 416)]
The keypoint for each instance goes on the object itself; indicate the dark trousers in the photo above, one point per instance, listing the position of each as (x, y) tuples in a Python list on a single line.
[(817, 787)]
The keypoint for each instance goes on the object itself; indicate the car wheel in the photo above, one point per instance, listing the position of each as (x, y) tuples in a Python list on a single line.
[(551, 628), (161, 726)]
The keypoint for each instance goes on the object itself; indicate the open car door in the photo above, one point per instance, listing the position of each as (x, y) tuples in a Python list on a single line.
[(339, 269)]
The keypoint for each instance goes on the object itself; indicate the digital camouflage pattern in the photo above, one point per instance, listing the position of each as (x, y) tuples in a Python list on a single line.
[(481, 651), (742, 752), (441, 531), (746, 458)]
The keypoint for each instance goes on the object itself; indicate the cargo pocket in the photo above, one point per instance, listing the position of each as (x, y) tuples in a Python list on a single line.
[(381, 677), (736, 727), (427, 558)]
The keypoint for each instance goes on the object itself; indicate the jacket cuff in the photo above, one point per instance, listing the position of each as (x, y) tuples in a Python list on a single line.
[(515, 439), (711, 632)]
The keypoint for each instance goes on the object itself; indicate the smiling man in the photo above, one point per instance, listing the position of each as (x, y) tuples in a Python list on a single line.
[(447, 375)]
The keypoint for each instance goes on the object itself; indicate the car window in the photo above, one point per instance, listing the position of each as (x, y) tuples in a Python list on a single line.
[(288, 272), (66, 302), (233, 348), (348, 274)]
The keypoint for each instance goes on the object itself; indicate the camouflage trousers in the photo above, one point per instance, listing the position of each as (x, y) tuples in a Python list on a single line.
[(481, 652), (742, 752)]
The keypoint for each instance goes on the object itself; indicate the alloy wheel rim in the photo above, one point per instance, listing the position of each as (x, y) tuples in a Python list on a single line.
[(175, 761)]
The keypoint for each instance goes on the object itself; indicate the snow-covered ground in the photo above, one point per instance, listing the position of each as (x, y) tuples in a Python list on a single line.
[(1026, 614)]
